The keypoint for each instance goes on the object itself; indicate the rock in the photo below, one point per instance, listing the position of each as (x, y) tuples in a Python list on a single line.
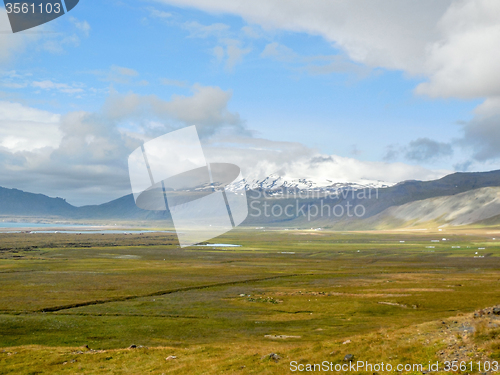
[(281, 337), (496, 310), (170, 357), (349, 358), (275, 357), (133, 346), (346, 342)]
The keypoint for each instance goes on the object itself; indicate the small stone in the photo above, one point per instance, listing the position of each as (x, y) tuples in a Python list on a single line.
[(496, 310), (275, 357), (170, 357), (133, 346), (349, 358), (346, 342)]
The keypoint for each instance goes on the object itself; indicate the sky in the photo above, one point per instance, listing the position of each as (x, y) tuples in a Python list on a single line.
[(318, 89)]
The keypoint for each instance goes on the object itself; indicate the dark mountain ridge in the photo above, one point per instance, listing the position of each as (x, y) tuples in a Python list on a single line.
[(17, 203)]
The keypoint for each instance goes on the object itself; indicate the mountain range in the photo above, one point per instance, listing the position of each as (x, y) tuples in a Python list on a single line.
[(456, 199)]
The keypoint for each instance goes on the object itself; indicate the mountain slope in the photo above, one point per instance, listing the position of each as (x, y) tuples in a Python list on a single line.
[(461, 209), (19, 203), (15, 202), (372, 201)]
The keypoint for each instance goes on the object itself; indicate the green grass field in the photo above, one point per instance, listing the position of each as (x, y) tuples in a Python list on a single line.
[(299, 294)]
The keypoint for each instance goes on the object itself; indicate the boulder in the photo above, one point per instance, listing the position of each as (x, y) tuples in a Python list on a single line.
[(349, 358), (275, 357)]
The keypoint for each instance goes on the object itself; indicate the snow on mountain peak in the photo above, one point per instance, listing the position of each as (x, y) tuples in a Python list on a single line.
[(276, 182)]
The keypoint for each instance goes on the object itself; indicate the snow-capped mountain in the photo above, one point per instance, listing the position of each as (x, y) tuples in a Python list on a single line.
[(278, 183)]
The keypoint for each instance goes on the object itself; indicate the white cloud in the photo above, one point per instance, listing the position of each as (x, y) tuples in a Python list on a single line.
[(235, 53), (231, 52), (207, 108), (279, 52), (15, 44), (57, 46), (198, 30), (117, 74), (124, 71), (12, 44), (258, 158), (251, 32), (464, 61), (314, 65), (173, 82), (82, 26), (14, 80), (83, 155), (219, 53), (380, 33), (452, 43), (155, 13), (61, 87), (27, 129)]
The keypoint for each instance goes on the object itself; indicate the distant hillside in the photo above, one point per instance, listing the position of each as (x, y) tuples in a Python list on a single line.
[(19, 203), (380, 200), (474, 206), (386, 205), (122, 208)]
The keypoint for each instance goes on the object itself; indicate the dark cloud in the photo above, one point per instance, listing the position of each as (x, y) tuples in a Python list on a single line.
[(321, 159), (482, 135), (425, 150), (422, 150), (462, 167), (392, 153)]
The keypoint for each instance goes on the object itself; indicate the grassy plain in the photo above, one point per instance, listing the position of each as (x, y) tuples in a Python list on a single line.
[(299, 294)]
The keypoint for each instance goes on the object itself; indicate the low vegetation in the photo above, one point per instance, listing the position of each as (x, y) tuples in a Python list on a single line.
[(134, 304)]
